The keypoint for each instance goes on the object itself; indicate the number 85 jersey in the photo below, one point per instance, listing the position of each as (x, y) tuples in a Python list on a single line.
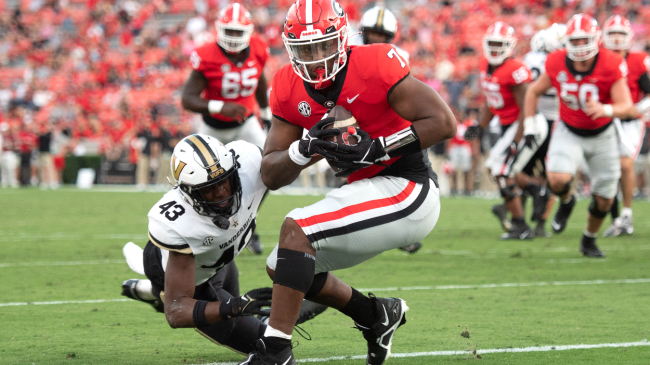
[(175, 226), (576, 88), (228, 81), (497, 88)]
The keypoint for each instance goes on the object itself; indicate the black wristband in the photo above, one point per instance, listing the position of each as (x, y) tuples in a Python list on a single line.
[(408, 148), (199, 314), (225, 309)]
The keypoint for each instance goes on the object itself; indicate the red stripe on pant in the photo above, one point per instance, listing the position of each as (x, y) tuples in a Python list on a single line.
[(357, 208)]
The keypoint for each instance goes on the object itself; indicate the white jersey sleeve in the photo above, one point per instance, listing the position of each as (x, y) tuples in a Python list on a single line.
[(174, 225), (548, 104)]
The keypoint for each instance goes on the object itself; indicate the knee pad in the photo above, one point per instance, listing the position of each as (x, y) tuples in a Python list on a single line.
[(509, 192), (317, 285), (564, 190), (594, 211), (295, 270)]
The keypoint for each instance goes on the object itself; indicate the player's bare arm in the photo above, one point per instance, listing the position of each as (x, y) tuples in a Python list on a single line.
[(534, 92), (278, 169), (418, 103), (192, 100), (621, 106), (261, 95), (519, 91), (486, 116)]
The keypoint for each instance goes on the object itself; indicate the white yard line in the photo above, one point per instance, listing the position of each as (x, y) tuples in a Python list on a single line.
[(406, 288), (62, 263), (470, 353)]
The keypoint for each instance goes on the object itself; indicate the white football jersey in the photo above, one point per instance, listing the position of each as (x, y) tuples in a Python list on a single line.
[(175, 226), (548, 104)]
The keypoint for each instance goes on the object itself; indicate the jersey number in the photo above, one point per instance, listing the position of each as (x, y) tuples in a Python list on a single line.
[(585, 92), (234, 84), (494, 99), (393, 54), (172, 215)]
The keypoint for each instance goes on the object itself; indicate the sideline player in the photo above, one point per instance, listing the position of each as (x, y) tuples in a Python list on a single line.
[(593, 90), (227, 79), (383, 207), (195, 232), (617, 36), (543, 42), (504, 81), (379, 25)]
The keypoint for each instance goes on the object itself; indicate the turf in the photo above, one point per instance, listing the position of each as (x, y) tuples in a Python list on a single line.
[(56, 227)]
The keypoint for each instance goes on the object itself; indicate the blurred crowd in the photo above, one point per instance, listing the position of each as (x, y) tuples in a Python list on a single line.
[(103, 77)]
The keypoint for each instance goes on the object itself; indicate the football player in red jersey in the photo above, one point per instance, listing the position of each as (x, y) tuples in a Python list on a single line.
[(504, 81), (226, 81), (593, 90), (392, 198), (617, 36)]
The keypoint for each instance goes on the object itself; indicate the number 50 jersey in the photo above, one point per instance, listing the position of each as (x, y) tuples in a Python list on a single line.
[(228, 81), (175, 226)]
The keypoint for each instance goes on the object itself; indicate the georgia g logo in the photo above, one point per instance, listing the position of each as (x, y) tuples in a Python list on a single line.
[(304, 109), (338, 10)]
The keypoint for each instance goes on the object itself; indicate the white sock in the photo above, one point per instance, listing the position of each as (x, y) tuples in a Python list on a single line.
[(589, 234), (626, 212), (145, 292), (272, 332)]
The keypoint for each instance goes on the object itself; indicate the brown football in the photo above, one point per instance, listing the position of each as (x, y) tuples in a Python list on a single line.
[(344, 121)]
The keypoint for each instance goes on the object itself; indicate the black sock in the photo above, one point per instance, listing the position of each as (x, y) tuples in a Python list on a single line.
[(518, 220), (361, 309), (615, 211), (274, 345)]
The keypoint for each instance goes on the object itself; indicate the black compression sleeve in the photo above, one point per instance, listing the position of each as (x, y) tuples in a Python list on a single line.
[(644, 83)]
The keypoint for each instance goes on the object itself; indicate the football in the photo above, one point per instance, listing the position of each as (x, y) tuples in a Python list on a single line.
[(346, 123)]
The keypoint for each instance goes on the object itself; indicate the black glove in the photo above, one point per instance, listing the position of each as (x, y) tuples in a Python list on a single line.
[(473, 132), (368, 151), (530, 141), (248, 304), (313, 142)]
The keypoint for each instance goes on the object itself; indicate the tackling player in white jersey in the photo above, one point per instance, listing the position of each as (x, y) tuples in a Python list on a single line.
[(543, 42), (195, 232)]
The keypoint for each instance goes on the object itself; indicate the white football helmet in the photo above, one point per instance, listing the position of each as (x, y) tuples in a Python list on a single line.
[(554, 37), (537, 41), (200, 161), (381, 20)]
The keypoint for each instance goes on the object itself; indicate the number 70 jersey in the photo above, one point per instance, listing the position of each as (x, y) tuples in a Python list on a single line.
[(577, 88), (228, 81), (175, 226)]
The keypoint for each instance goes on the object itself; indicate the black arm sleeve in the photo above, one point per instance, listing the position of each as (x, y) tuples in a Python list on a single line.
[(644, 83)]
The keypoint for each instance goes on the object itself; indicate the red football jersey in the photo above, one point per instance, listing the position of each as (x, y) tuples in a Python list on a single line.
[(497, 88), (638, 63), (371, 72), (577, 89), (228, 81)]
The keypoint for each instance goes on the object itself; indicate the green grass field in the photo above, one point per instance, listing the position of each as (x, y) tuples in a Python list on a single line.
[(66, 245)]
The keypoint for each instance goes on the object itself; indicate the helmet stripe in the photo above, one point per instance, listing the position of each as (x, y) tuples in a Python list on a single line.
[(204, 152), (380, 18), (309, 19), (497, 28), (578, 21), (235, 13)]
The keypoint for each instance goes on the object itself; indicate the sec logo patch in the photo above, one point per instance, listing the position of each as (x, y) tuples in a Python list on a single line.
[(304, 109)]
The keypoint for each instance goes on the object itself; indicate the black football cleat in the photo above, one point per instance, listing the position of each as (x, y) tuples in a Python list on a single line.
[(562, 215), (588, 248), (412, 248), (501, 212), (129, 290), (379, 336), (259, 356), (519, 231), (540, 199), (255, 245)]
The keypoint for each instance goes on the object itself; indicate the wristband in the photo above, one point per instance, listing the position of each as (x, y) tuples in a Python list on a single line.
[(199, 314), (265, 113), (608, 109), (296, 156), (225, 309), (404, 142), (643, 106), (215, 106)]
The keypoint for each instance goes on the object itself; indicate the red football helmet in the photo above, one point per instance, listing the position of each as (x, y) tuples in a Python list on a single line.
[(617, 33), (315, 32), (582, 26), (234, 18), (499, 43)]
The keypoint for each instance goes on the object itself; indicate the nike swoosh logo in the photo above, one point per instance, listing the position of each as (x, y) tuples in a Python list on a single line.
[(353, 99), (385, 313), (286, 362), (249, 207)]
